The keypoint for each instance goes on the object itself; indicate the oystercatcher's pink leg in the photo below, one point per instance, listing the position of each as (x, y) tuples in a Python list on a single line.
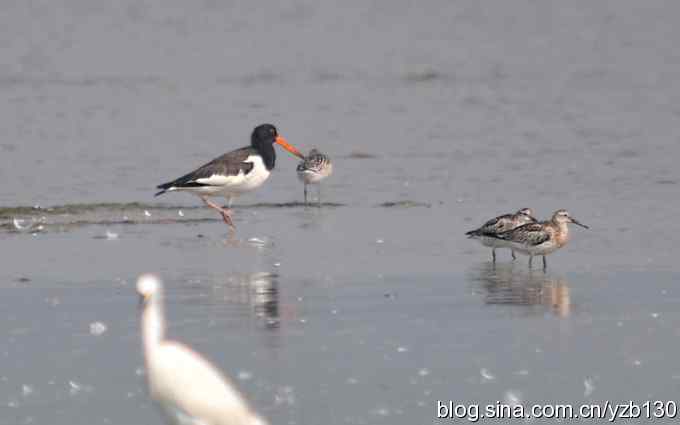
[(224, 212)]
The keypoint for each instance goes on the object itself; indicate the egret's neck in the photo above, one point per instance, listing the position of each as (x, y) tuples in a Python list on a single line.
[(153, 325)]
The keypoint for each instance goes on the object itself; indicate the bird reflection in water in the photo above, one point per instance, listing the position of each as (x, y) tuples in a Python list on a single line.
[(258, 290), (266, 298), (504, 284)]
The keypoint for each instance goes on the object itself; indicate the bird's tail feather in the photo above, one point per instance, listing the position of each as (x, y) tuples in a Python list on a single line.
[(164, 188)]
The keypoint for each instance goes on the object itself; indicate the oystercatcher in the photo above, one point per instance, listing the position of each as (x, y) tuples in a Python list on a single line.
[(235, 172)]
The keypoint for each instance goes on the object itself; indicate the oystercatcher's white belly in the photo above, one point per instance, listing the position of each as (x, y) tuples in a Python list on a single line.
[(230, 186), (242, 183)]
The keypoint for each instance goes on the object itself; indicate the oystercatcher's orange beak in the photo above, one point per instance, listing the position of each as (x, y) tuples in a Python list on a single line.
[(287, 146)]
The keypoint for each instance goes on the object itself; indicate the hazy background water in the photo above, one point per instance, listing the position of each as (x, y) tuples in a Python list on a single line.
[(362, 312)]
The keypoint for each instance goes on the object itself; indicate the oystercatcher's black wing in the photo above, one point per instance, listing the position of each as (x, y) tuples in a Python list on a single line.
[(229, 164)]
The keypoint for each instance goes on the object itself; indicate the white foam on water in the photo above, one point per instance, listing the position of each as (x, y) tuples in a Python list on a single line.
[(97, 328), (486, 375), (589, 387), (22, 224), (244, 375), (26, 390), (285, 396)]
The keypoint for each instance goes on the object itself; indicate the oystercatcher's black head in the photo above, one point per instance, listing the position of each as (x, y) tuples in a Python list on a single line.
[(264, 133), (263, 138)]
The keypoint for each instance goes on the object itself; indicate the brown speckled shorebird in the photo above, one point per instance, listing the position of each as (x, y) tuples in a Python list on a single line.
[(541, 238), (487, 235), (313, 168)]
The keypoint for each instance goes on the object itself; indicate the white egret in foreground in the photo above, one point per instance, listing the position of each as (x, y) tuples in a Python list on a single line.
[(188, 388)]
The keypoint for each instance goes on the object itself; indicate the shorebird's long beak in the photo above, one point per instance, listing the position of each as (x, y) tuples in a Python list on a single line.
[(576, 222), (287, 146)]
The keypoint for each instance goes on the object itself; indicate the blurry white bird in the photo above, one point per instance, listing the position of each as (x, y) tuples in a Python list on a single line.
[(188, 388)]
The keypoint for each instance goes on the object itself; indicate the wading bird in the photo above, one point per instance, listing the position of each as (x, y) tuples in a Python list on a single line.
[(541, 238), (235, 172), (188, 388), (487, 235), (313, 168)]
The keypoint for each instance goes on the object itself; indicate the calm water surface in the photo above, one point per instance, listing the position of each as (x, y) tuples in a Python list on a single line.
[(368, 310)]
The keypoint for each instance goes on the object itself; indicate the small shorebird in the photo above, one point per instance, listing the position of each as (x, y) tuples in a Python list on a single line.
[(487, 235), (187, 387), (541, 238), (313, 168), (235, 172)]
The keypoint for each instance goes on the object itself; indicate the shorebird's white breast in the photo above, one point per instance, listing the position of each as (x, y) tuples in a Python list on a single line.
[(310, 177), (238, 183)]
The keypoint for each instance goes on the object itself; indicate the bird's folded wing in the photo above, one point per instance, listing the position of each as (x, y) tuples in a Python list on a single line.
[(218, 171), (530, 234), (496, 226)]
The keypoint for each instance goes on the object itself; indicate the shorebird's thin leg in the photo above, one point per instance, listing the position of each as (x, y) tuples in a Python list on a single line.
[(224, 212), (545, 263), (493, 254), (305, 193), (531, 257), (319, 192), (514, 257)]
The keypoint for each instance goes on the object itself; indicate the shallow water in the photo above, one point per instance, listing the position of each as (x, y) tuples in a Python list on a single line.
[(370, 308)]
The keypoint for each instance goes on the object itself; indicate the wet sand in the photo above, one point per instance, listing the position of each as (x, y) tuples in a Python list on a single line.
[(374, 306)]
